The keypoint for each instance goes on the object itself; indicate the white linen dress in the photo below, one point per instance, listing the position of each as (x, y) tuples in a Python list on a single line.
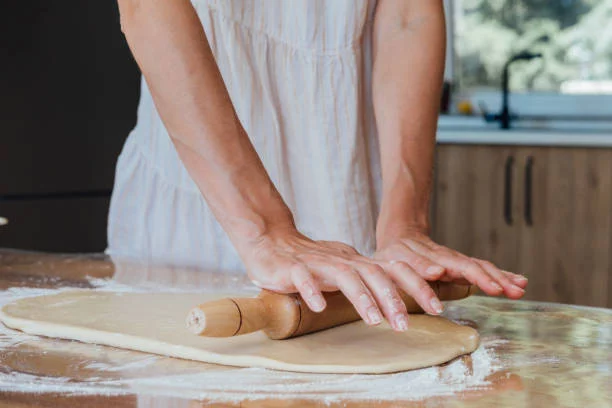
[(299, 75)]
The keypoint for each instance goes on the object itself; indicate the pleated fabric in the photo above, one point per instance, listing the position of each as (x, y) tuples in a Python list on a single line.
[(299, 75)]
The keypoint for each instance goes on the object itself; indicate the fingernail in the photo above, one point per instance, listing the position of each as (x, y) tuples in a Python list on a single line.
[(496, 285), (374, 316), (434, 270), (317, 302), (518, 288), (436, 305), (401, 323)]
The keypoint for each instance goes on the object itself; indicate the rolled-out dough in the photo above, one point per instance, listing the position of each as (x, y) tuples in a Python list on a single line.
[(155, 323)]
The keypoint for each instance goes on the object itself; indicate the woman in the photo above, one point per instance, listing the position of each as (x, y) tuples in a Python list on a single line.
[(293, 139)]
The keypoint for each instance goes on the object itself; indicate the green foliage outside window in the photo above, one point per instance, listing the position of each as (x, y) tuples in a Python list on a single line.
[(574, 36)]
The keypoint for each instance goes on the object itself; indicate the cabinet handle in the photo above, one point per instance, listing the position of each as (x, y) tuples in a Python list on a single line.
[(528, 191), (508, 190)]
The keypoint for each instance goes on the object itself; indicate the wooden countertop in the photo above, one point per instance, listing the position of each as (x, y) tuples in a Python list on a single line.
[(549, 354)]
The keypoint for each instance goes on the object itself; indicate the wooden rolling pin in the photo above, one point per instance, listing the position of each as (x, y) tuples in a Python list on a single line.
[(283, 316)]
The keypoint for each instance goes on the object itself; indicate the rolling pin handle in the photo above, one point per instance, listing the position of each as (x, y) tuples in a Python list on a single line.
[(227, 317)]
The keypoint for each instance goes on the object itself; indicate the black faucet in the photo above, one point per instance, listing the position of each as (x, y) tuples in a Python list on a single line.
[(504, 117)]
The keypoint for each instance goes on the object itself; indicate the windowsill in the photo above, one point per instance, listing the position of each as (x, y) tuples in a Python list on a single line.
[(474, 130)]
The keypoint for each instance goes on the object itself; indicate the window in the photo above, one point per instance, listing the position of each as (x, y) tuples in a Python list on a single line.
[(574, 38)]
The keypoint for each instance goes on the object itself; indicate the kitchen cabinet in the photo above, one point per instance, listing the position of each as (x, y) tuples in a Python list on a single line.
[(70, 90), (56, 225), (545, 212)]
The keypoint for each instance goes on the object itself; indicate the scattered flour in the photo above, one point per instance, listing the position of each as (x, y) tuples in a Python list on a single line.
[(137, 364), (232, 385), (257, 383)]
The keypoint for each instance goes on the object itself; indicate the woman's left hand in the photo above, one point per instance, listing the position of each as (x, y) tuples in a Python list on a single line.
[(435, 262)]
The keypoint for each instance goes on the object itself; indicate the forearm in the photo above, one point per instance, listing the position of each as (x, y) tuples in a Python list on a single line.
[(409, 48), (170, 46)]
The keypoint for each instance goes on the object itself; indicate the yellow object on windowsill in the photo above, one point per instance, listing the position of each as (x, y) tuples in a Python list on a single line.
[(465, 107)]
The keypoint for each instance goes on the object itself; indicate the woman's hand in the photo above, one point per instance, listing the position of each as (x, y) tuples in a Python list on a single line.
[(436, 262), (283, 260)]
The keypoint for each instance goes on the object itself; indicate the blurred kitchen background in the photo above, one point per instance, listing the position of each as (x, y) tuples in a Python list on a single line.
[(524, 163), (69, 91)]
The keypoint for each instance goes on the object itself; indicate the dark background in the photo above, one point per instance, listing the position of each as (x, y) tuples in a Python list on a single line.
[(69, 90)]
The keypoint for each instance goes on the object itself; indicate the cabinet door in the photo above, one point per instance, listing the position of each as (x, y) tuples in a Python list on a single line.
[(56, 225), (476, 201), (565, 247)]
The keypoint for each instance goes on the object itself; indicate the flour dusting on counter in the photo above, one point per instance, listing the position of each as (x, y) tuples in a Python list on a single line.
[(257, 383), (98, 370)]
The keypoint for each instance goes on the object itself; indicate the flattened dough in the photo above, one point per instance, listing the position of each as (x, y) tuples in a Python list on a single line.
[(155, 323)]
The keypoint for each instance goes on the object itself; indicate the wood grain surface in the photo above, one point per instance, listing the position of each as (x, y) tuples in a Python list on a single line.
[(565, 253)]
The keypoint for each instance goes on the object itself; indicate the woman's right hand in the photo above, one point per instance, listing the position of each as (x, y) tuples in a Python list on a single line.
[(284, 260)]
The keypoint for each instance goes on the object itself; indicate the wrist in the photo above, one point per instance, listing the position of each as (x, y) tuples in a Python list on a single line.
[(390, 229), (250, 230), (405, 206)]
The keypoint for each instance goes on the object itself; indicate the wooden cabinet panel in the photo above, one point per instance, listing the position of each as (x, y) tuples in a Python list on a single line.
[(566, 252), (563, 245), (468, 202)]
